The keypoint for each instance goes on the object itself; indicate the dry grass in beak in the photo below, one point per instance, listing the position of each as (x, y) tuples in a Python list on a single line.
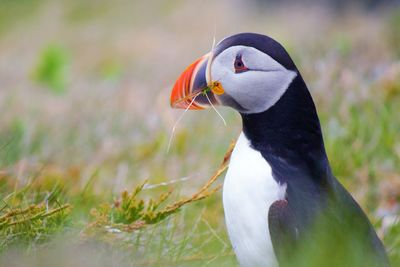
[(195, 95)]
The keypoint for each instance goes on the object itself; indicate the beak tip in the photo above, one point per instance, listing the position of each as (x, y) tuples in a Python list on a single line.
[(182, 95)]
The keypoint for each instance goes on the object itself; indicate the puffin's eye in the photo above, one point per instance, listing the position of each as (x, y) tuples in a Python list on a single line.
[(239, 65)]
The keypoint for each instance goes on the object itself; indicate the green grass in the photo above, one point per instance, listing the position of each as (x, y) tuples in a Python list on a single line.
[(86, 120), (52, 68)]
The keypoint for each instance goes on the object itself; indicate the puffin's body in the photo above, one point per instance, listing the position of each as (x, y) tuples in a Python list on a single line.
[(282, 204)]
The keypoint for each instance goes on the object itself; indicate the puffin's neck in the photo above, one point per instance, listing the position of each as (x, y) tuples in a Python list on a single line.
[(289, 130)]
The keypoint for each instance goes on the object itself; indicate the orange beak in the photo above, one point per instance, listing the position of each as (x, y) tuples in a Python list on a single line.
[(189, 90)]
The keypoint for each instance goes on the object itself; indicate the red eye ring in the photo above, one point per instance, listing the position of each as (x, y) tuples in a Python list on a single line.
[(239, 65)]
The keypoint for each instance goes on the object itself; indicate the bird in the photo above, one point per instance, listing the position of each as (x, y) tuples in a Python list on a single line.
[(283, 205)]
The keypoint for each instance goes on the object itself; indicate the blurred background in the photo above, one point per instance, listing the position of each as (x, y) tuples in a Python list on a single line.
[(84, 104)]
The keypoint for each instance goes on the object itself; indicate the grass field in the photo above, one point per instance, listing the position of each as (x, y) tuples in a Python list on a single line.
[(84, 98)]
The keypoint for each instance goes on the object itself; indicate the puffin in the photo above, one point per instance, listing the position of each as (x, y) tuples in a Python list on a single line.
[(283, 206)]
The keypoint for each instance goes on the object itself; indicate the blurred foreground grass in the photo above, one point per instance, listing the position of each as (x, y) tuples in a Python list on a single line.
[(84, 89)]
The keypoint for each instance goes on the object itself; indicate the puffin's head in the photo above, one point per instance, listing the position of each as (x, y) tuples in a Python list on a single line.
[(248, 72)]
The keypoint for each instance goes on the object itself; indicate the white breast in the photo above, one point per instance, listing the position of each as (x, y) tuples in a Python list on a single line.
[(249, 190)]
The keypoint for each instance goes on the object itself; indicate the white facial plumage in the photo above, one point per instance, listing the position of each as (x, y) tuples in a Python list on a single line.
[(256, 89)]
